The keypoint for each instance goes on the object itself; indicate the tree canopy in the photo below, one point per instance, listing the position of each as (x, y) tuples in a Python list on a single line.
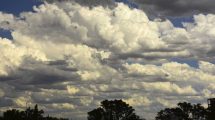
[(183, 111), (119, 110), (28, 114), (113, 110)]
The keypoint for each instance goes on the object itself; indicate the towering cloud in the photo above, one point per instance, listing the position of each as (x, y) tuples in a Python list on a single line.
[(68, 57)]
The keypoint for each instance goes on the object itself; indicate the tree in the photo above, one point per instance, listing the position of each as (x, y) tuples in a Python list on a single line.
[(184, 111), (33, 114), (53, 118), (28, 114), (199, 112), (13, 115), (96, 114), (37, 114), (211, 112), (170, 114), (113, 110)]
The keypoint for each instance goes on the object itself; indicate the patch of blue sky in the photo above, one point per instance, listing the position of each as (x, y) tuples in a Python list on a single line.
[(5, 34), (129, 3), (191, 62), (17, 6), (178, 21)]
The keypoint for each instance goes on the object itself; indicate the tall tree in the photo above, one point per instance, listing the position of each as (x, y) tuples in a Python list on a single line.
[(113, 110), (184, 111), (37, 114)]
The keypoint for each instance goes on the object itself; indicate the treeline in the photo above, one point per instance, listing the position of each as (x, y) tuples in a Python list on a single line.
[(28, 114), (119, 110), (188, 111)]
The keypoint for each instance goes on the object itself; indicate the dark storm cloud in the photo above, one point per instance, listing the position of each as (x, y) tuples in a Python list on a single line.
[(96, 2), (38, 73), (159, 7), (177, 7), (90, 3)]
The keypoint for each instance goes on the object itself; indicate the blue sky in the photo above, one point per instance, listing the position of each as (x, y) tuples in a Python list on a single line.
[(17, 6), (131, 4)]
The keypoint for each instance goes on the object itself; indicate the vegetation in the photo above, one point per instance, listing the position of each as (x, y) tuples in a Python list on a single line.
[(113, 110), (28, 114), (119, 110), (188, 111), (184, 111)]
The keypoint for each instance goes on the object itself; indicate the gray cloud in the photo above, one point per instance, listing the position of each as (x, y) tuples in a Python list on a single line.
[(41, 73), (96, 2), (161, 8), (89, 3), (177, 7)]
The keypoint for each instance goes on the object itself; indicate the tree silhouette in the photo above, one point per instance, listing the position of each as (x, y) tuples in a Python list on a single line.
[(53, 118), (34, 114), (37, 114), (210, 114), (184, 111), (96, 114), (199, 112), (113, 110), (13, 115), (28, 114)]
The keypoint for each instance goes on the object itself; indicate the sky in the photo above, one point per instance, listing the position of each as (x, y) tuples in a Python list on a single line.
[(68, 56)]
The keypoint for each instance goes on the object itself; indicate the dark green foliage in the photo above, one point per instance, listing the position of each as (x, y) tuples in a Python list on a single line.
[(113, 110), (184, 111), (28, 114)]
